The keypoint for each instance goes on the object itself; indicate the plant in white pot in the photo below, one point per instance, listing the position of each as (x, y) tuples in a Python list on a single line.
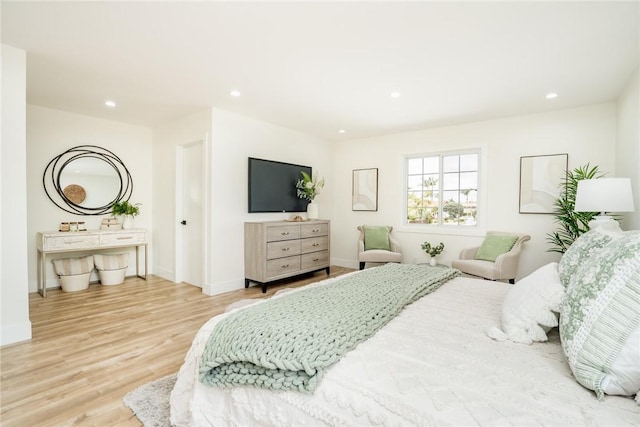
[(432, 251), (127, 211), (308, 188)]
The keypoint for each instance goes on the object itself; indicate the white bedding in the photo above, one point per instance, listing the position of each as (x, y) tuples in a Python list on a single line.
[(431, 365)]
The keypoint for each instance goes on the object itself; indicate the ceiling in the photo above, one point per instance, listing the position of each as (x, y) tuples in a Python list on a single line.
[(319, 67)]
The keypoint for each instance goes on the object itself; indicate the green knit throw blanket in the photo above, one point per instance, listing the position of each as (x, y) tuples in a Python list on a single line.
[(286, 343)]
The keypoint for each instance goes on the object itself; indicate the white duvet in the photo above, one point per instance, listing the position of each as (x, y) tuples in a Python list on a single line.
[(432, 365)]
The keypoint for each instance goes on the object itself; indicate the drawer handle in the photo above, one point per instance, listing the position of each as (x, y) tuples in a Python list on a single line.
[(315, 230), (70, 242), (316, 259), (316, 244), (124, 238), (285, 249), (285, 266), (284, 233)]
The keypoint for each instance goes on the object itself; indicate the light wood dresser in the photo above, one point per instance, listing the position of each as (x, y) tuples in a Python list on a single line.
[(77, 241), (276, 250)]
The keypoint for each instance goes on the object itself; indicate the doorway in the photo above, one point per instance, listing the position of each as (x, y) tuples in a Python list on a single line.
[(190, 211)]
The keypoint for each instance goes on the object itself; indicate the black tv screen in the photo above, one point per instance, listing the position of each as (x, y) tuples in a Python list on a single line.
[(272, 186)]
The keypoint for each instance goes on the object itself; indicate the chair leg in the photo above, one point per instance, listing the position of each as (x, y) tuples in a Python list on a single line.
[(362, 266), (512, 281)]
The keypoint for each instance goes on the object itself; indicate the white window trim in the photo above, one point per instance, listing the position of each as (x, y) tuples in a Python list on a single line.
[(476, 230)]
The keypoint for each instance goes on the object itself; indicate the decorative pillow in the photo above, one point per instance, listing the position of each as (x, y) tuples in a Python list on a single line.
[(495, 245), (599, 317), (581, 250), (73, 266), (529, 306), (376, 237)]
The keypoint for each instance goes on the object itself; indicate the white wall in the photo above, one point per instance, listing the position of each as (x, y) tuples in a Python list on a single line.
[(230, 140), (49, 133), (166, 138), (234, 139), (14, 302), (587, 134), (628, 146)]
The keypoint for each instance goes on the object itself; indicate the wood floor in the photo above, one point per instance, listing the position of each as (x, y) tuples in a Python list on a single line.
[(90, 348)]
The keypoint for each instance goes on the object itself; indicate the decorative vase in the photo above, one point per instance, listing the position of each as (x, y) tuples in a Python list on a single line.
[(312, 211), (127, 222), (433, 262)]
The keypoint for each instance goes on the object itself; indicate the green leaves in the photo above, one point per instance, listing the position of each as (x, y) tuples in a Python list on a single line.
[(125, 208), (572, 224), (432, 250)]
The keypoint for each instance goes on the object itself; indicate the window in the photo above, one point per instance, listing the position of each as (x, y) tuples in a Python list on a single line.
[(442, 189)]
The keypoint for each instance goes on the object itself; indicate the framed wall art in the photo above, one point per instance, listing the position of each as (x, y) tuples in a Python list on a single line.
[(364, 194), (540, 179)]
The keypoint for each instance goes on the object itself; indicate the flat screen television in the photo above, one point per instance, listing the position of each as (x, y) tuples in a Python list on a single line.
[(272, 186)]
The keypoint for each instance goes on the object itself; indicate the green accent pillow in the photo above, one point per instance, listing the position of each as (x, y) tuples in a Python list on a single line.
[(494, 245), (376, 237)]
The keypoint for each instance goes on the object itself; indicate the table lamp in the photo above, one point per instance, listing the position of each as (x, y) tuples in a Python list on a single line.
[(604, 195)]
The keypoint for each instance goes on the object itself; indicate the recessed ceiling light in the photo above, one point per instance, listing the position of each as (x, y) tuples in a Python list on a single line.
[(342, 131), (234, 93), (110, 104), (552, 95), (395, 94)]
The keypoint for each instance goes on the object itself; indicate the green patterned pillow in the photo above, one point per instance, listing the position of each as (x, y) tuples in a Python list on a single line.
[(495, 245), (580, 251), (599, 317), (376, 237)]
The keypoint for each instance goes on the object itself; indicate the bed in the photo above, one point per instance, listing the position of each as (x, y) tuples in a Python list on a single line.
[(433, 364)]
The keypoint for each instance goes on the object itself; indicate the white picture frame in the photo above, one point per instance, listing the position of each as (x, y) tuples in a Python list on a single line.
[(540, 179)]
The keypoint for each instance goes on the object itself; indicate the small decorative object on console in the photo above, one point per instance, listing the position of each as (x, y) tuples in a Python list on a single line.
[(432, 251)]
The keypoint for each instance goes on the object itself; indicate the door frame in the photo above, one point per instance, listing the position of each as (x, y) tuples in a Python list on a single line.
[(179, 194)]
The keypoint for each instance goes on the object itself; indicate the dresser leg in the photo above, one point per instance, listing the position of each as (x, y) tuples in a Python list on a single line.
[(264, 288), (328, 270), (246, 283)]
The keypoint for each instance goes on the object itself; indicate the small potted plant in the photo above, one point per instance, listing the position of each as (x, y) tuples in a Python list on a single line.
[(432, 251), (128, 210), (308, 188)]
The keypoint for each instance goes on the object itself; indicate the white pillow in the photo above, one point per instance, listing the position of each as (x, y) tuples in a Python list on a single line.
[(529, 306)]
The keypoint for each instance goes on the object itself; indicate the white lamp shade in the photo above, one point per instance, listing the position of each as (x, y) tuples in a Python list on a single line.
[(604, 195)]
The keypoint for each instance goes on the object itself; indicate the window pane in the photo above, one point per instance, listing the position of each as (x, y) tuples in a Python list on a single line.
[(431, 164), (469, 180), (450, 181), (450, 163), (469, 162), (414, 182), (414, 166)]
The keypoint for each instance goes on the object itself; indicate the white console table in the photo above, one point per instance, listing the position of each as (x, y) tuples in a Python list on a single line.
[(77, 241)]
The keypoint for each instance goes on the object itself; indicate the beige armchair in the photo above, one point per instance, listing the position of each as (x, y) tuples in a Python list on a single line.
[(505, 265), (366, 254)]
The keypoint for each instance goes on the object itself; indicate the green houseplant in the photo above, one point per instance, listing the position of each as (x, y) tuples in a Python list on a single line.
[(432, 251), (127, 210), (571, 224), (309, 187)]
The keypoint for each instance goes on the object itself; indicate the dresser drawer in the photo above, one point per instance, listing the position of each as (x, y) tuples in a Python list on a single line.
[(312, 230), (125, 238), (315, 244), (75, 241), (276, 267), (286, 232), (314, 260), (283, 249)]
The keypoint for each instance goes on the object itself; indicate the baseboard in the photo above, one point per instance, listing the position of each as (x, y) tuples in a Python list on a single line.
[(343, 262), (15, 332), (222, 287)]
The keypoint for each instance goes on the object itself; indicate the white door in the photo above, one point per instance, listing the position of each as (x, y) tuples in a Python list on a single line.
[(191, 222)]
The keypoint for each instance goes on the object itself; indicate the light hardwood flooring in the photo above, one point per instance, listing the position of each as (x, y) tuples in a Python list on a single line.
[(90, 348)]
